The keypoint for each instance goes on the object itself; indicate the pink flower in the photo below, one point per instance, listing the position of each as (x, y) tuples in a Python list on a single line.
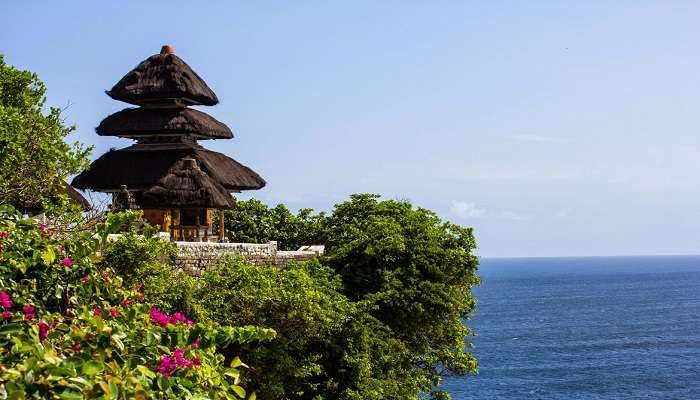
[(159, 318), (97, 311), (6, 315), (179, 317), (67, 262), (141, 297), (5, 300), (113, 312), (195, 344), (3, 234), (127, 302), (85, 279), (75, 347), (43, 228), (196, 361), (166, 366), (29, 312), (180, 360), (43, 330)]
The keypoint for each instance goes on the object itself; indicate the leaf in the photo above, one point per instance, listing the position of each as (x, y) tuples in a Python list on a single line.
[(48, 256), (147, 372), (113, 390), (239, 391), (252, 396), (117, 342), (71, 394), (92, 368), (9, 329), (236, 362)]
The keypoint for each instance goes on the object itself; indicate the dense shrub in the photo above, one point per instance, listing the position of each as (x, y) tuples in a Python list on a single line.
[(326, 346), (252, 221), (71, 330), (146, 260), (406, 274)]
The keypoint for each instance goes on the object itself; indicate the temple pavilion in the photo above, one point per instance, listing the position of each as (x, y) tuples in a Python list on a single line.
[(167, 173)]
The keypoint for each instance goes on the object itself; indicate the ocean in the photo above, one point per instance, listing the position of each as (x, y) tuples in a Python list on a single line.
[(586, 328)]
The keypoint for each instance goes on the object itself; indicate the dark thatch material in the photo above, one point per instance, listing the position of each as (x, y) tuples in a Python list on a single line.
[(135, 122), (186, 186), (140, 167), (77, 198), (161, 78), (63, 188)]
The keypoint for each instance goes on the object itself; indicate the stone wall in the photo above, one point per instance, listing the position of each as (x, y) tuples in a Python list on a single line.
[(196, 257)]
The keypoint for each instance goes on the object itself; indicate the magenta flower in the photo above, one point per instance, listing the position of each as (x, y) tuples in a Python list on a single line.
[(6, 315), (43, 330), (43, 228), (67, 262), (29, 312), (159, 318), (195, 344), (113, 312), (3, 234), (85, 279), (75, 347), (5, 300), (164, 319), (96, 311), (166, 366), (180, 360)]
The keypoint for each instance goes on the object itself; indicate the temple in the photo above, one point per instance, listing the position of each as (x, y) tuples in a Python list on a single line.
[(167, 173)]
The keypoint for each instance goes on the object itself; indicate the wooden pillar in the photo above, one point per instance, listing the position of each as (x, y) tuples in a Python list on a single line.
[(196, 223), (176, 232), (221, 225)]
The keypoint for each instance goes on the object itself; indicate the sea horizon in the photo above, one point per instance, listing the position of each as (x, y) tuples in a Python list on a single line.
[(621, 327)]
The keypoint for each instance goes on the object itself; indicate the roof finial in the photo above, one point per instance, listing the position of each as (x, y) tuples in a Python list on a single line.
[(166, 49)]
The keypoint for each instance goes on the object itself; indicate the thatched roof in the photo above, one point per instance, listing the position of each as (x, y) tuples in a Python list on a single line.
[(76, 197), (135, 122), (61, 188), (163, 78), (140, 167), (186, 186)]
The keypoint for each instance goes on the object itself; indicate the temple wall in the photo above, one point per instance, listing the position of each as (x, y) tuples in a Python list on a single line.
[(196, 257)]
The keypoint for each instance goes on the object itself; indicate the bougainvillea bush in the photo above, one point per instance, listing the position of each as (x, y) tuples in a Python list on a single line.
[(71, 328)]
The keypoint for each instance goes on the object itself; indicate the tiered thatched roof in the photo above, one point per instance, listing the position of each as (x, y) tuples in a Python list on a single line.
[(140, 167), (139, 122), (159, 169), (186, 186), (162, 78)]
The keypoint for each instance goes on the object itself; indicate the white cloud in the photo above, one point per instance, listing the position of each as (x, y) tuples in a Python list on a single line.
[(539, 139), (466, 210), (512, 216)]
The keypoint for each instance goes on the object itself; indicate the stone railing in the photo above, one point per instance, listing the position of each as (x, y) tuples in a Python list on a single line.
[(195, 257)]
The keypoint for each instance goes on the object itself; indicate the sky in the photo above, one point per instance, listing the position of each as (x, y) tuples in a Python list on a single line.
[(554, 128)]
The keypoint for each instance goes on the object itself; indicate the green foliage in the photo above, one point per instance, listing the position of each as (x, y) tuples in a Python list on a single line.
[(418, 272), (71, 330), (326, 346), (406, 274), (35, 161), (145, 260), (251, 221)]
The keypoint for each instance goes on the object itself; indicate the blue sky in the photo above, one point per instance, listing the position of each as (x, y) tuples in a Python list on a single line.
[(551, 127)]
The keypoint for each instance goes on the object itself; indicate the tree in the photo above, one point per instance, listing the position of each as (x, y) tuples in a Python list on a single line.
[(254, 222), (418, 272), (410, 271), (35, 161)]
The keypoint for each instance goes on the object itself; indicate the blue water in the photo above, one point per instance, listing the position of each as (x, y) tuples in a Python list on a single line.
[(586, 328)]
